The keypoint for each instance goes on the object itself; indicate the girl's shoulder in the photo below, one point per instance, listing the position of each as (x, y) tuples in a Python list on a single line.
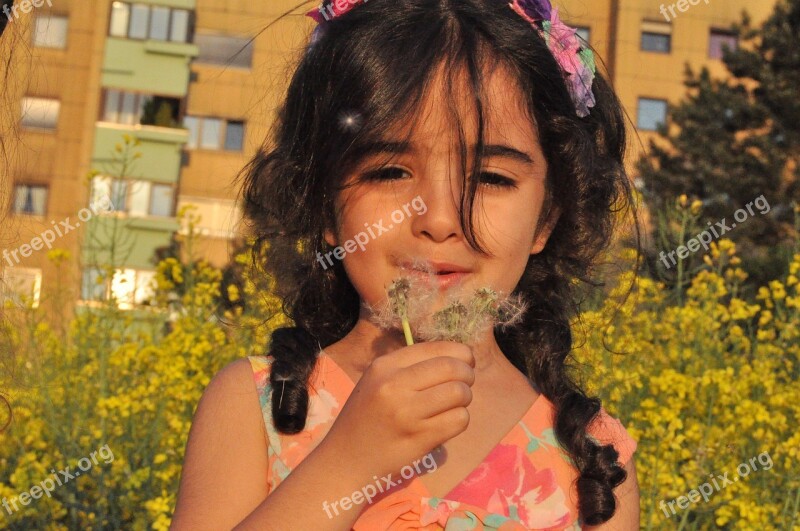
[(605, 429), (328, 389)]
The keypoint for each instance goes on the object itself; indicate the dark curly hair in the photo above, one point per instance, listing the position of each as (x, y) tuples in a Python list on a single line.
[(377, 61)]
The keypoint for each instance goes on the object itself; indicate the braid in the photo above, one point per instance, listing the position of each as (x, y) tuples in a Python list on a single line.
[(539, 348), (293, 351)]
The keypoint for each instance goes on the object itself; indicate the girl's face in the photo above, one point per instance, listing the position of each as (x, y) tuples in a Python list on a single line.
[(410, 209)]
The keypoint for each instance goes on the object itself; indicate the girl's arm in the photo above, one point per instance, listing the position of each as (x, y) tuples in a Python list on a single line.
[(627, 515), (224, 479)]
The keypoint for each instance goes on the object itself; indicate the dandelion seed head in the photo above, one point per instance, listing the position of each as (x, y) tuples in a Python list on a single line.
[(466, 315)]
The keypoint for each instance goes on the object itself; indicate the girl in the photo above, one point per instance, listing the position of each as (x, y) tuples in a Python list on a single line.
[(490, 112)]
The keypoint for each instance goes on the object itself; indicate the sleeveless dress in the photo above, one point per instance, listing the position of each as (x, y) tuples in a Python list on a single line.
[(526, 482)]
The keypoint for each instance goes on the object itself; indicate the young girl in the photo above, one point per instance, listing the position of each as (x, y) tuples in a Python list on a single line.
[(491, 114)]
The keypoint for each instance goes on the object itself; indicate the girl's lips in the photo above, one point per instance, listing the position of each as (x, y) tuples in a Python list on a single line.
[(448, 280), (442, 280)]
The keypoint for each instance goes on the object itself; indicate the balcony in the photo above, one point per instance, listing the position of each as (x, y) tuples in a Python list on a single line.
[(148, 65), (161, 149)]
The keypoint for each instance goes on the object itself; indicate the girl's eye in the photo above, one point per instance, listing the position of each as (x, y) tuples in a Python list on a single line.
[(490, 179), (495, 180), (384, 174)]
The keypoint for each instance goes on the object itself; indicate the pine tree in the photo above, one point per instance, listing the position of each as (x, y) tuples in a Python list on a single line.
[(735, 139)]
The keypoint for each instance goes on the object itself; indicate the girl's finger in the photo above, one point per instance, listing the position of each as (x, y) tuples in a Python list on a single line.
[(408, 356), (444, 397), (445, 425), (430, 373)]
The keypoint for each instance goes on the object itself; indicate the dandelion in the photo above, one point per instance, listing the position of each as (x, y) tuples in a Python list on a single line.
[(465, 317), (398, 295)]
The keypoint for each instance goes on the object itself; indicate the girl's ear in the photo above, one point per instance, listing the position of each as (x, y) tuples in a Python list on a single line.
[(543, 233)]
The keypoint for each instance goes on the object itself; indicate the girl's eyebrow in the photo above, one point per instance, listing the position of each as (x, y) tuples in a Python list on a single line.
[(489, 150)]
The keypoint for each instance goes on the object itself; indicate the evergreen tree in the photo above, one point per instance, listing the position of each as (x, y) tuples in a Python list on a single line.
[(735, 139)]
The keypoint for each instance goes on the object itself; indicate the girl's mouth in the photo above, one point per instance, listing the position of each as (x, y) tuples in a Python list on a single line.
[(449, 279), (443, 275)]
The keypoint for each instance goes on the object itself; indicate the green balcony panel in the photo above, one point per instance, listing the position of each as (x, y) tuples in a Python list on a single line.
[(132, 242), (160, 149), (154, 67), (179, 4)]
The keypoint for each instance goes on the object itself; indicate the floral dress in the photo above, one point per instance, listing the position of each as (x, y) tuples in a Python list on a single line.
[(526, 482)]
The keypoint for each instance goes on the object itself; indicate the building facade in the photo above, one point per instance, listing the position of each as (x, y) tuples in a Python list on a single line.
[(130, 110)]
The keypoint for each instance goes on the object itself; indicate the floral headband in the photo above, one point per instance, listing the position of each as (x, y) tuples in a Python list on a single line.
[(576, 61)]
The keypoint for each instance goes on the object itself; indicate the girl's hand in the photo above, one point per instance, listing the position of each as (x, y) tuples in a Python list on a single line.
[(406, 403)]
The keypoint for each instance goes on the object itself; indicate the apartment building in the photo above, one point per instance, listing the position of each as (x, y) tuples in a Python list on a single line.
[(645, 45), (128, 112), (196, 82)]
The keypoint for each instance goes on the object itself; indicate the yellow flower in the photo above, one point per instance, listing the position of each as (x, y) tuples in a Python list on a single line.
[(778, 291)]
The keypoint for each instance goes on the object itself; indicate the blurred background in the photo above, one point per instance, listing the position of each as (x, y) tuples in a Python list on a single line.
[(123, 275)]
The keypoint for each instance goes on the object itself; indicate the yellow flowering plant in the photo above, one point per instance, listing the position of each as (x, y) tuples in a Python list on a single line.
[(703, 383)]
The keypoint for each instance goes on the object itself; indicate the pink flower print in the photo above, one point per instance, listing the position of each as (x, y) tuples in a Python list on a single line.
[(507, 483)]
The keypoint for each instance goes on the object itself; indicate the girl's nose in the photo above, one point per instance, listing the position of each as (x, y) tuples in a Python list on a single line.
[(442, 219)]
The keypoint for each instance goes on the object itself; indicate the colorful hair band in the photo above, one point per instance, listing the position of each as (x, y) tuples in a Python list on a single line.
[(576, 61)]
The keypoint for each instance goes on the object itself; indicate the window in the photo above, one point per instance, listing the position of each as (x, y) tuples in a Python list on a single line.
[(50, 31), (136, 198), (133, 108), (140, 15), (92, 285), (40, 113), (21, 285), (159, 23), (160, 111), (218, 217), (179, 29), (225, 50), (162, 200), (210, 133), (129, 287), (234, 136), (214, 133), (119, 194), (584, 33), (123, 107), (193, 125), (142, 21), (651, 113), (656, 37), (120, 17), (30, 199), (105, 191), (719, 40)]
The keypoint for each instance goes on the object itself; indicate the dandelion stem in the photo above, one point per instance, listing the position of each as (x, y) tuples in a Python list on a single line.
[(407, 332)]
